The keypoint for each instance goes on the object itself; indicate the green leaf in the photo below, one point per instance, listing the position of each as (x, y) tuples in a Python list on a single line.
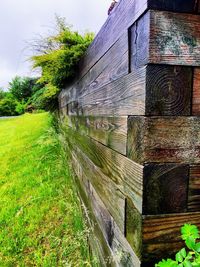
[(189, 230), (187, 264), (190, 242), (167, 263), (183, 252), (197, 247), (179, 257)]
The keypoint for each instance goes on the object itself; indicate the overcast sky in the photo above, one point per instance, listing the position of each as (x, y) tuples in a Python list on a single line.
[(22, 20)]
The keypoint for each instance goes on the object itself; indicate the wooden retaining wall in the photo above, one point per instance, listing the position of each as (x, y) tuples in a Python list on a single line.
[(134, 132)]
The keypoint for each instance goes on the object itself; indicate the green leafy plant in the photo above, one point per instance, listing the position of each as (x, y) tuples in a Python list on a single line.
[(186, 257), (57, 56)]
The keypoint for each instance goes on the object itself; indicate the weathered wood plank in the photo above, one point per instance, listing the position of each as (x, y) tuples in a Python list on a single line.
[(194, 188), (107, 190), (110, 131), (161, 234), (102, 250), (126, 174), (164, 140), (165, 188), (186, 6), (133, 229), (175, 39), (151, 90), (113, 65), (196, 93), (170, 38), (122, 17), (117, 98), (121, 253), (168, 90)]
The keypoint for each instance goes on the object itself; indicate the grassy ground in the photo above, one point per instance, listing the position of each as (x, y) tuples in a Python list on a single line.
[(40, 216)]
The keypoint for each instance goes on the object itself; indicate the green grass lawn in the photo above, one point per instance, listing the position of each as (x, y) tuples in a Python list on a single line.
[(40, 216)]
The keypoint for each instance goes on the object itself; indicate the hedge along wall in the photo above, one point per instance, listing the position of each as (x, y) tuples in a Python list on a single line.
[(133, 113)]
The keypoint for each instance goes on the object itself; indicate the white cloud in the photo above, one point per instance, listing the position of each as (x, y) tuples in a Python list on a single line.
[(20, 20)]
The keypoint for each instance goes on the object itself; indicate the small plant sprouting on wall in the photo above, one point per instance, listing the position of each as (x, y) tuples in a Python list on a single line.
[(189, 256)]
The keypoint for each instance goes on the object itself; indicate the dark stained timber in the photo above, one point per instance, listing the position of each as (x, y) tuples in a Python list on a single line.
[(151, 90), (164, 139), (186, 6), (161, 37), (116, 245), (165, 188), (133, 227), (118, 98), (104, 186), (194, 188), (121, 18), (126, 174), (113, 65), (168, 90), (161, 234), (196, 93), (110, 131)]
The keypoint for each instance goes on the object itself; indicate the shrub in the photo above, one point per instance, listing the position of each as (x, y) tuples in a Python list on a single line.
[(189, 257), (58, 56), (8, 106)]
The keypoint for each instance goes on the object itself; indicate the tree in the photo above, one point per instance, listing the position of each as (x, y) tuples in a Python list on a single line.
[(2, 93), (8, 106), (22, 87)]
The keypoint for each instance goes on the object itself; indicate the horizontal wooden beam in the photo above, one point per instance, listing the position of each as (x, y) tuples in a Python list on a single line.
[(165, 188), (107, 190), (110, 131), (194, 189), (161, 37), (164, 139), (185, 6), (196, 93), (126, 174), (121, 253), (161, 234), (150, 90), (122, 17)]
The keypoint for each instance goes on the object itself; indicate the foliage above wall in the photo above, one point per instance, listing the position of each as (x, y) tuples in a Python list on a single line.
[(57, 56)]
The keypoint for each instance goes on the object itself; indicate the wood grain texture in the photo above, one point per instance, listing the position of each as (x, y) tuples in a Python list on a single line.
[(121, 18), (174, 39), (126, 174), (194, 188), (121, 253), (133, 228), (101, 250), (196, 93), (105, 188), (110, 131), (164, 140), (161, 234), (151, 90), (168, 90), (119, 98), (161, 37), (176, 5), (165, 188), (113, 65)]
